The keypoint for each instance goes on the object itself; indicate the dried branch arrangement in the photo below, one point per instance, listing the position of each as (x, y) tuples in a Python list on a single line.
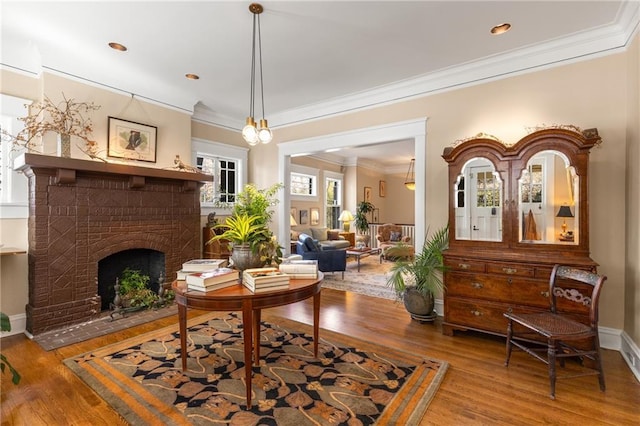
[(66, 118)]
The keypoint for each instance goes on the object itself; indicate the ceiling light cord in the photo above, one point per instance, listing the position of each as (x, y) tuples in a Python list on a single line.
[(260, 61), (253, 69), (251, 133)]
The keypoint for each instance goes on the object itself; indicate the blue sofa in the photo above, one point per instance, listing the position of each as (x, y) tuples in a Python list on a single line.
[(329, 259)]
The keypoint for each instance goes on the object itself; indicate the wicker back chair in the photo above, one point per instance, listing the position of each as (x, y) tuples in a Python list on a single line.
[(574, 291)]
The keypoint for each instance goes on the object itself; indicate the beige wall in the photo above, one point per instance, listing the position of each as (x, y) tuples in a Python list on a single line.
[(14, 269), (398, 205), (594, 93), (586, 94), (632, 232)]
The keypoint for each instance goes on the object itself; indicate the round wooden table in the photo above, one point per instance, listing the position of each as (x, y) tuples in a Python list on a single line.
[(240, 298)]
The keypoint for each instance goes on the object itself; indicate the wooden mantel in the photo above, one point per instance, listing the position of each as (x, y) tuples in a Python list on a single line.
[(67, 167)]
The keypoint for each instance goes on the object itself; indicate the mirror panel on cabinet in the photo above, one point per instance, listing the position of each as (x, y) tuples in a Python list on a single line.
[(548, 209), (478, 198)]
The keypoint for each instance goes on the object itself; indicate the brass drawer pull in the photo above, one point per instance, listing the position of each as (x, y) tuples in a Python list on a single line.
[(464, 266), (544, 293), (477, 285), (509, 270), (476, 313), (509, 281)]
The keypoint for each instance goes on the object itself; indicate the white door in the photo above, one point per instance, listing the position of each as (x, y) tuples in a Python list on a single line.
[(485, 205)]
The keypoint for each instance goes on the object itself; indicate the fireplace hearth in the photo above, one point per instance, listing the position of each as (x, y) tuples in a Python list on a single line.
[(81, 212)]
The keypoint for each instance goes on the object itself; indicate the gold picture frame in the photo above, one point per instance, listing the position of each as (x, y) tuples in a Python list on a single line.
[(367, 194), (382, 188), (314, 216)]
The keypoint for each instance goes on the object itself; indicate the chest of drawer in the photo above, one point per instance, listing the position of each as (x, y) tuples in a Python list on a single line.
[(464, 265), (511, 269), (481, 315), (479, 286), (503, 288)]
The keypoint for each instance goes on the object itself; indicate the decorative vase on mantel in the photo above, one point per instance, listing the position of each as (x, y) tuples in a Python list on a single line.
[(64, 146)]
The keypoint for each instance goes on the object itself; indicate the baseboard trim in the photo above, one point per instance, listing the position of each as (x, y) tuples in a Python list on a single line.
[(18, 325), (631, 354)]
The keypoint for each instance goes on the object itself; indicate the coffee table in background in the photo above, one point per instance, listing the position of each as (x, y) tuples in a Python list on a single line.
[(362, 253)]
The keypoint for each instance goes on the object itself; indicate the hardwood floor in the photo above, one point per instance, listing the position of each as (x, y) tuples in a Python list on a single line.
[(477, 388)]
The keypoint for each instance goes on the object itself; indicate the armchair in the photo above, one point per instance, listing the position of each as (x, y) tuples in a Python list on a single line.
[(329, 259), (390, 235)]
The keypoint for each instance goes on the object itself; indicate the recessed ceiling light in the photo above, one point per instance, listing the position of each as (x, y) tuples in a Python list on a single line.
[(500, 29), (118, 46), (192, 76)]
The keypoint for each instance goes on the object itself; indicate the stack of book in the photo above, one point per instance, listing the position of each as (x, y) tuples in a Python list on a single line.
[(199, 265), (264, 279), (300, 269), (213, 279)]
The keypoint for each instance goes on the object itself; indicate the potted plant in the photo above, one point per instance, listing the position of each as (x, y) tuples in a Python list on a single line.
[(361, 222), (416, 280), (247, 229)]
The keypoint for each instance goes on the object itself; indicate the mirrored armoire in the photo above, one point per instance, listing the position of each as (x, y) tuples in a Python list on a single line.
[(514, 212)]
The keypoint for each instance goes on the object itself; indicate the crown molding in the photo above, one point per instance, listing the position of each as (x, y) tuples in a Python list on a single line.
[(583, 46)]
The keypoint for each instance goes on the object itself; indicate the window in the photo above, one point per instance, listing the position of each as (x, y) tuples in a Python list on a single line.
[(223, 189), (333, 201), (13, 185), (303, 184), (227, 164), (488, 189)]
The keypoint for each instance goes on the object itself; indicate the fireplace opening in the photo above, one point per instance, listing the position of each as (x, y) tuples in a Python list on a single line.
[(148, 262)]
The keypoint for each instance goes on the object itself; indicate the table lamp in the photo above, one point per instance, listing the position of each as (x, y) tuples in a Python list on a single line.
[(564, 212), (345, 217)]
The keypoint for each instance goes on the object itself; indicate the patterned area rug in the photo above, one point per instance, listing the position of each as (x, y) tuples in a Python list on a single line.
[(352, 382), (371, 280)]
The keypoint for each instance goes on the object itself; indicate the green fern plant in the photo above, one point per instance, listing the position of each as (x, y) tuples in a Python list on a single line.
[(5, 325), (424, 271)]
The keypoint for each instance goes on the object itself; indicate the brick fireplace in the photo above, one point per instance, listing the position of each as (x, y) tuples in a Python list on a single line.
[(81, 212)]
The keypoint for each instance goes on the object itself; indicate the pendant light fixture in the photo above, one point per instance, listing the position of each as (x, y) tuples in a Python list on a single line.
[(252, 134), (410, 180)]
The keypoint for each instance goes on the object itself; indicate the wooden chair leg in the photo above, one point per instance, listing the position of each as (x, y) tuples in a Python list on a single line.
[(598, 359), (551, 358), (509, 335)]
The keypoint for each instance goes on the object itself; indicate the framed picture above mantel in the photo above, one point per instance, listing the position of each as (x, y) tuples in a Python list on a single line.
[(131, 140)]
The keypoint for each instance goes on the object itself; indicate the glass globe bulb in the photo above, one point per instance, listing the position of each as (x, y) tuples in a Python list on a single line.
[(264, 134), (250, 133)]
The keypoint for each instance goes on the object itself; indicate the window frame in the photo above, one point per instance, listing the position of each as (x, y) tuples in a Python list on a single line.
[(221, 151), (339, 177), (14, 202), (306, 171)]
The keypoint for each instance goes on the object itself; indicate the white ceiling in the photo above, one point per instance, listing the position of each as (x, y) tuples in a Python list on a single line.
[(319, 57)]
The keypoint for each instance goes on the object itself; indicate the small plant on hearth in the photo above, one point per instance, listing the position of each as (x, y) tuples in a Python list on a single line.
[(134, 289)]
